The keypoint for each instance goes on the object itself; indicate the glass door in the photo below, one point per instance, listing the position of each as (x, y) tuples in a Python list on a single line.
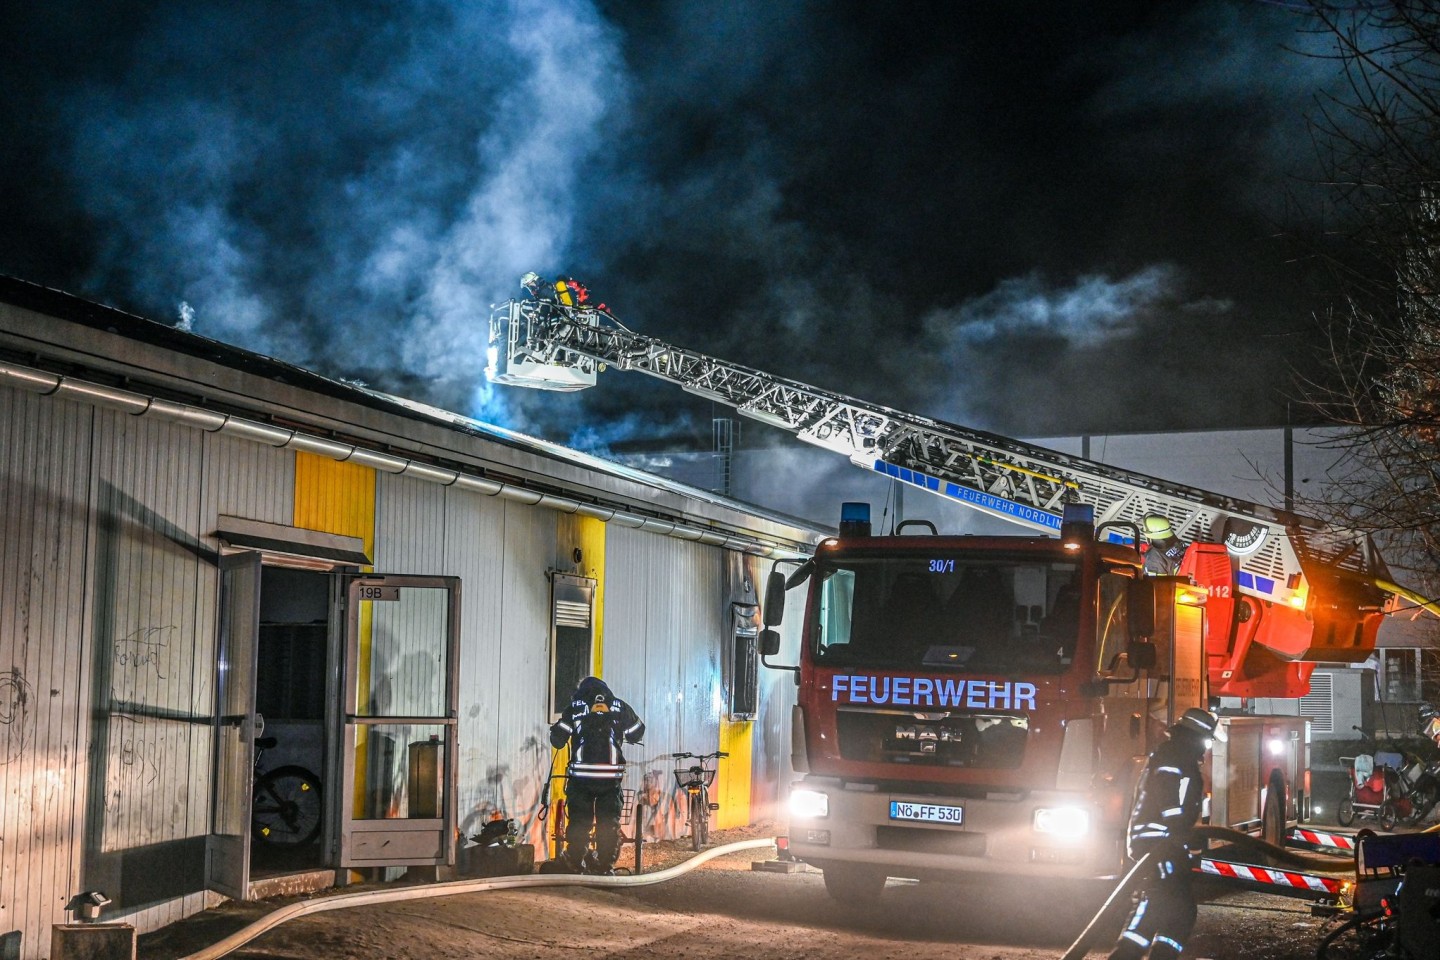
[(397, 796), (236, 725)]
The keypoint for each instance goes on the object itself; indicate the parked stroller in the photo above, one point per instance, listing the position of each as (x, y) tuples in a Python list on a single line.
[(1388, 786), (1376, 791)]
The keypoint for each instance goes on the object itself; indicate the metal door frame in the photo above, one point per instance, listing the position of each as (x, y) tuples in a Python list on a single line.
[(348, 826), (227, 855)]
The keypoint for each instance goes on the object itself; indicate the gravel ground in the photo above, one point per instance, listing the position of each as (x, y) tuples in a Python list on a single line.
[(725, 909)]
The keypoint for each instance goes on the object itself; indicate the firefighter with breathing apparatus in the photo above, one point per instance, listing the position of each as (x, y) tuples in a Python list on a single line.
[(1167, 806), (594, 725)]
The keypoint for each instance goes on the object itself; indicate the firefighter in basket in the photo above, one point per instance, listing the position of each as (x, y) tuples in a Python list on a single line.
[(567, 291), (1167, 806), (1164, 550), (594, 725)]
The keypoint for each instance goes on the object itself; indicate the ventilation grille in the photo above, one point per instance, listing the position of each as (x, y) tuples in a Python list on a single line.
[(571, 613), (1318, 706)]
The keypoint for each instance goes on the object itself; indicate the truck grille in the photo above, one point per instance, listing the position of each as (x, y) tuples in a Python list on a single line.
[(916, 840), (977, 741)]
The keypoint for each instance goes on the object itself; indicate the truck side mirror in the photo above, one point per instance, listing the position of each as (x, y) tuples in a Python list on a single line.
[(1140, 608), (769, 643), (774, 609), (1141, 654)]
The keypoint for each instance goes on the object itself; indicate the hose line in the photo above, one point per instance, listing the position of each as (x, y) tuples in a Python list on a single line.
[(369, 897), (1241, 840), (1081, 946)]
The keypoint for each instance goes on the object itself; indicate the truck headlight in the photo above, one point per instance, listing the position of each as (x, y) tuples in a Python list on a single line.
[(809, 804), (1068, 822)]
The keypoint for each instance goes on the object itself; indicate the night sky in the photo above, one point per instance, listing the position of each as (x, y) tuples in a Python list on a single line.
[(1034, 218)]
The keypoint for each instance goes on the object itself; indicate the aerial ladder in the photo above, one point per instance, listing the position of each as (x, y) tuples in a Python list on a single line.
[(1284, 591)]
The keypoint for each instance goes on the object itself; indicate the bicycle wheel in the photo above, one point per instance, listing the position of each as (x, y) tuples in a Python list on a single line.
[(704, 817), (286, 807), (696, 822)]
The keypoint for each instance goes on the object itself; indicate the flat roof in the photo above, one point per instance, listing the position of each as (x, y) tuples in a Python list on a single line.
[(67, 335)]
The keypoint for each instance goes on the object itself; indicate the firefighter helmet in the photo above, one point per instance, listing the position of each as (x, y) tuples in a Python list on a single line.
[(1158, 528), (530, 281), (1202, 722)]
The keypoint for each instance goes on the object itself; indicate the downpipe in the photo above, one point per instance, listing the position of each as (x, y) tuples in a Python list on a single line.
[(454, 887), (1241, 840)]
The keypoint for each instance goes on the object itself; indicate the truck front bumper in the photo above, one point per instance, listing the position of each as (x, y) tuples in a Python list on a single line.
[(1041, 834)]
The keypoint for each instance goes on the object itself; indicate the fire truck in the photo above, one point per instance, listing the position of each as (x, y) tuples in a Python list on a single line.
[(985, 703)]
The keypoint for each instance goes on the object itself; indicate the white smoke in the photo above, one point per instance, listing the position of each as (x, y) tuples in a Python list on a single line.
[(363, 217), (1088, 313)]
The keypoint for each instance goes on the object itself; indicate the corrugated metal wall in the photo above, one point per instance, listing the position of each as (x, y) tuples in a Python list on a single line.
[(665, 627), (44, 507), (500, 550), (107, 592)]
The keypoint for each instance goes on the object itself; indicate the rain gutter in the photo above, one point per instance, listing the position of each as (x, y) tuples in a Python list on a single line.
[(229, 425)]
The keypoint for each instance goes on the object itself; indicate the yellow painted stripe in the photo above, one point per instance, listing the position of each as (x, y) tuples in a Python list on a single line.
[(335, 497), (339, 498), (591, 536), (732, 778)]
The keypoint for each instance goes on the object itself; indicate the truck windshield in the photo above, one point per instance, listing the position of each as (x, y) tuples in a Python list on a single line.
[(979, 615)]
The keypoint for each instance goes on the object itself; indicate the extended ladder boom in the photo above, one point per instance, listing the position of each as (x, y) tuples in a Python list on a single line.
[(550, 346)]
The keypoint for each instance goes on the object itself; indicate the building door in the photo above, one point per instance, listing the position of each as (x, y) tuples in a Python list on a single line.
[(227, 848), (398, 755)]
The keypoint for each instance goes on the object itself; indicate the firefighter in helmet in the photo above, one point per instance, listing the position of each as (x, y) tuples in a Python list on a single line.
[(1167, 806), (1165, 550), (594, 725), (537, 287), (566, 291)]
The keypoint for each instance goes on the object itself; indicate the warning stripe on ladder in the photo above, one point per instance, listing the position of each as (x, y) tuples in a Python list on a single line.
[(1264, 875), (1318, 838)]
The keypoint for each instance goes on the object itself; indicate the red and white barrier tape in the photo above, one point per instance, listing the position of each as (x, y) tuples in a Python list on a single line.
[(1339, 841), (1280, 878)]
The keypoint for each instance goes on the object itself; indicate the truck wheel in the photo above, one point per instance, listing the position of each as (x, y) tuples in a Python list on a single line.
[(1345, 813), (1388, 816), (854, 885)]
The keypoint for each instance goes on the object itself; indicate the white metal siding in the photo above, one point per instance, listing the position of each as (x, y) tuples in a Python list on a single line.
[(44, 506), (500, 550), (666, 623), (107, 594)]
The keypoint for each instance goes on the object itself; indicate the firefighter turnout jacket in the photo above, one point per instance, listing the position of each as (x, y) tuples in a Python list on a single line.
[(1168, 798), (595, 724)]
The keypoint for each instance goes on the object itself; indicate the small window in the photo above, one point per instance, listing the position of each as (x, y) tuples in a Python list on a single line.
[(1114, 621), (744, 675), (572, 636), (1401, 673)]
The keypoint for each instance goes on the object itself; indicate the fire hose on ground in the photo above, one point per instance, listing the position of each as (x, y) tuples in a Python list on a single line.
[(371, 897), (1136, 874)]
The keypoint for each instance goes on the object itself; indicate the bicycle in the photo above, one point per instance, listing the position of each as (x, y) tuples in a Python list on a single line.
[(285, 805), (695, 779)]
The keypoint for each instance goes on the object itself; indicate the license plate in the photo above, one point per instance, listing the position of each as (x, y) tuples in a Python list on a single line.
[(926, 812)]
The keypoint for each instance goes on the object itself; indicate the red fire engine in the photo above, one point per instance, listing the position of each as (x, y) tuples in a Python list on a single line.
[(985, 703)]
